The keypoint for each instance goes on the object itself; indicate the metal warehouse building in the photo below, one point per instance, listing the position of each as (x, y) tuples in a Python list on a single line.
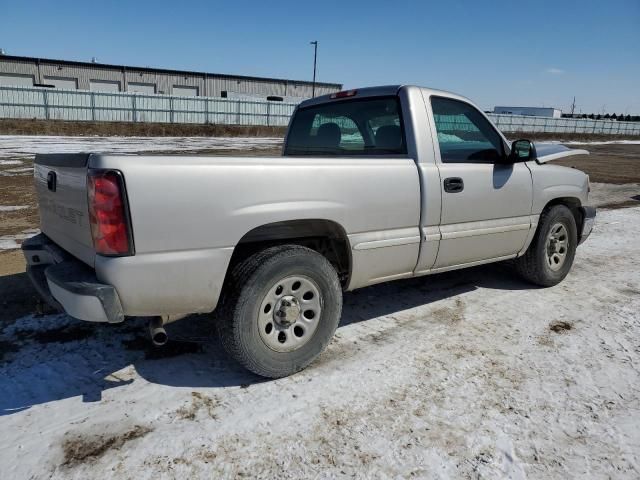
[(530, 111), (71, 75)]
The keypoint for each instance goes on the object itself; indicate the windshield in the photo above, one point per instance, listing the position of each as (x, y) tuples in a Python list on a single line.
[(370, 126)]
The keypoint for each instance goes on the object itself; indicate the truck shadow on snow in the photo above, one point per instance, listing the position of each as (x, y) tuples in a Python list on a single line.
[(54, 357)]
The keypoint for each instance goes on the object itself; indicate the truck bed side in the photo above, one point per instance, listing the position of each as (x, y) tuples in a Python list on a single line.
[(188, 214)]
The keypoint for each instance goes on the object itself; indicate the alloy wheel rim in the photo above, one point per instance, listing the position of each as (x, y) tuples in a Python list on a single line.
[(289, 313), (557, 246)]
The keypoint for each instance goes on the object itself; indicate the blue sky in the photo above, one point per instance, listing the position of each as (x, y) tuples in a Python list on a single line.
[(495, 52)]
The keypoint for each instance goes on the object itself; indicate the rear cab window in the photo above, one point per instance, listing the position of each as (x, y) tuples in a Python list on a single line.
[(368, 126)]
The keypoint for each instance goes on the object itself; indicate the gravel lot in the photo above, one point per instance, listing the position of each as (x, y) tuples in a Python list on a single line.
[(469, 374)]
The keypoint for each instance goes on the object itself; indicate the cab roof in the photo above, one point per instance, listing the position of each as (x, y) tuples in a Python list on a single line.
[(381, 91)]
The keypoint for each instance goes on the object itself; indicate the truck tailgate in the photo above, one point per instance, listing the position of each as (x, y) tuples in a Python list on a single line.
[(61, 188)]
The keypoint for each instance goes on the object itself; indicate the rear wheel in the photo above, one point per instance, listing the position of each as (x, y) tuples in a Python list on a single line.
[(550, 256), (280, 309)]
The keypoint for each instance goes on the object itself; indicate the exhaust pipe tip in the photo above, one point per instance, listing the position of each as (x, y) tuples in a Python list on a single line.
[(159, 336)]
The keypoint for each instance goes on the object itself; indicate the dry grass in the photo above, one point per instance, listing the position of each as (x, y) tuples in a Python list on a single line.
[(60, 127), (127, 129)]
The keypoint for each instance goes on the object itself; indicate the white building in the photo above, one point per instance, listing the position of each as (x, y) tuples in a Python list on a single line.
[(530, 111)]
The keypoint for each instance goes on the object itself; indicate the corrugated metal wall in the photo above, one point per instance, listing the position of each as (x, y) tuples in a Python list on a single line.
[(209, 85)]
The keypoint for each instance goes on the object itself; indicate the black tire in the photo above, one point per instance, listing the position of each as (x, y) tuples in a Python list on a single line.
[(249, 283), (534, 266)]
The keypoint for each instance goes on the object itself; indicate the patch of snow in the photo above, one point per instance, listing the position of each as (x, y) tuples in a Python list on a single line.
[(603, 194), (11, 242), (12, 208), (16, 172), (594, 142), (14, 147)]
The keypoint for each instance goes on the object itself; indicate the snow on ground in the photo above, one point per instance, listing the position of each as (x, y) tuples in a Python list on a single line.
[(25, 146), (19, 170), (470, 374), (12, 208), (594, 142), (606, 194), (10, 242)]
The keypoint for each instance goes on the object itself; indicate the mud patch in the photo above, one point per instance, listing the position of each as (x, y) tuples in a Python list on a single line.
[(80, 448), (545, 341), (560, 327), (450, 315), (199, 401)]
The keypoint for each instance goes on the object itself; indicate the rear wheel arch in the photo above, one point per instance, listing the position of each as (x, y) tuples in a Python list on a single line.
[(326, 237)]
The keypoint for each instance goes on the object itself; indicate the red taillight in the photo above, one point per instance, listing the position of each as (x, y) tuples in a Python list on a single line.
[(108, 213), (344, 94)]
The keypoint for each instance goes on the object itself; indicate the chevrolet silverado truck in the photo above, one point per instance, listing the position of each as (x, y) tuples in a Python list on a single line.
[(373, 185)]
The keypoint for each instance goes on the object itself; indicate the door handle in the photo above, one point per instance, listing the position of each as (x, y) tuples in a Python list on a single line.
[(453, 184)]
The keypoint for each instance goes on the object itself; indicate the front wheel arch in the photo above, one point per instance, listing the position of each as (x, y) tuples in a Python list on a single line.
[(532, 265), (573, 204)]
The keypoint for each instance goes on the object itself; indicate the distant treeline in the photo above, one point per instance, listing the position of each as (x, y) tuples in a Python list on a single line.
[(606, 116)]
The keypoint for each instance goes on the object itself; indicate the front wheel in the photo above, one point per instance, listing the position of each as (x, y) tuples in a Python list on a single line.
[(280, 309), (550, 256)]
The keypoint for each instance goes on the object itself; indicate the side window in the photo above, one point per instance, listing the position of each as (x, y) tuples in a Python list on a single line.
[(464, 135), (350, 136)]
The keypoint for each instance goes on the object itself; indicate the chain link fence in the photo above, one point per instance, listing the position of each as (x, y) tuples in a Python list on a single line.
[(523, 123), (48, 104)]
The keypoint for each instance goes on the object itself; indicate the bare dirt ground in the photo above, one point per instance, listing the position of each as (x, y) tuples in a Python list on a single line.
[(607, 163), (61, 127), (470, 374)]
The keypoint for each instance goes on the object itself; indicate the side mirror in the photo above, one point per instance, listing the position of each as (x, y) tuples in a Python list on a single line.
[(522, 151)]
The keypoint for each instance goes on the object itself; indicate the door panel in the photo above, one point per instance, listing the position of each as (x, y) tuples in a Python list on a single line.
[(489, 218), (490, 192), (486, 204)]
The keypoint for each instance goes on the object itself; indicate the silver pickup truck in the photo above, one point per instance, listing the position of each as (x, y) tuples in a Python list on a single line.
[(374, 184)]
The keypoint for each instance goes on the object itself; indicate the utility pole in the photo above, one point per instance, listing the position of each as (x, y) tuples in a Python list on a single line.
[(573, 106), (315, 58)]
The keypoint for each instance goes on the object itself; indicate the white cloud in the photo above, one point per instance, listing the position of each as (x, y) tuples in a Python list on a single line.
[(555, 71)]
